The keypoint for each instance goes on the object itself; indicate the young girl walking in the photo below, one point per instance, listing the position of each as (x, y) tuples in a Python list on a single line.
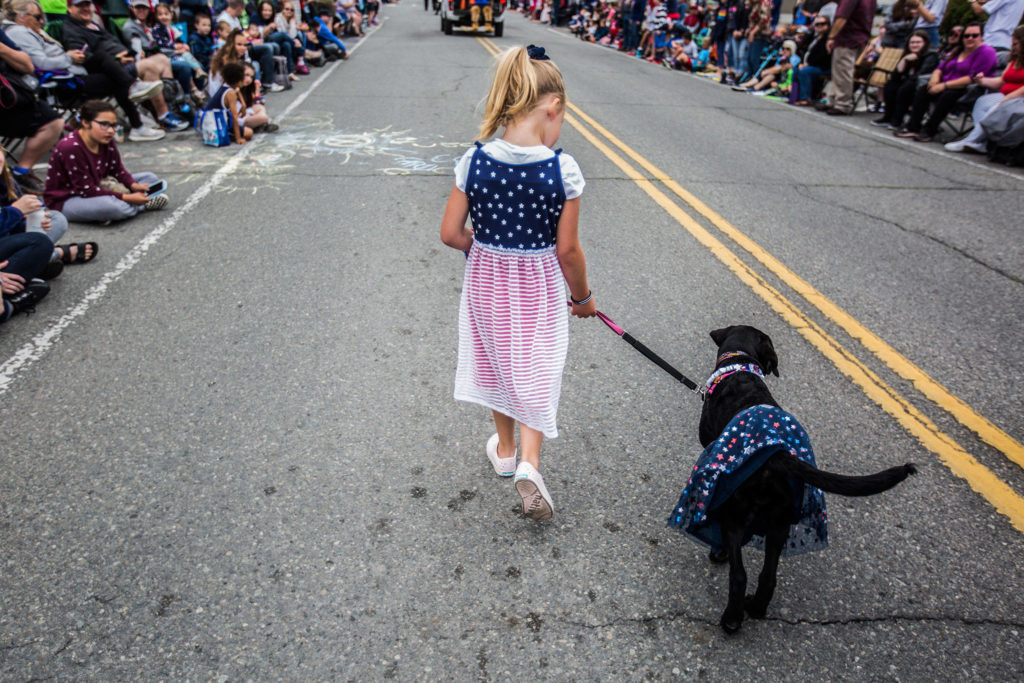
[(523, 199)]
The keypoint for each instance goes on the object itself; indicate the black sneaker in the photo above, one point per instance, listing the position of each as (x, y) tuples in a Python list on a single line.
[(52, 269), (882, 123), (25, 301)]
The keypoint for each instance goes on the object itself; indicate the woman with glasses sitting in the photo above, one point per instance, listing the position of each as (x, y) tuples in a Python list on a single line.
[(87, 181), (948, 83), (898, 93)]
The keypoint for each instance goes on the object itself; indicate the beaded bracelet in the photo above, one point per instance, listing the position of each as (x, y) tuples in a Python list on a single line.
[(590, 295)]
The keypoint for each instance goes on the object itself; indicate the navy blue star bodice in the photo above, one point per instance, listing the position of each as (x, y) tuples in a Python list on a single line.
[(515, 206)]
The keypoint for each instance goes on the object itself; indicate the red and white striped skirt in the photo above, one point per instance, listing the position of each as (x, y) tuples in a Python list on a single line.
[(513, 335)]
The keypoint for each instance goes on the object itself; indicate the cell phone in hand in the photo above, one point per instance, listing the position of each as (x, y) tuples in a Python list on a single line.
[(156, 188)]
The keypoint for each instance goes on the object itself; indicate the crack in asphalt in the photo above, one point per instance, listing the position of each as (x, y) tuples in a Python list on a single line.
[(846, 621), (919, 233)]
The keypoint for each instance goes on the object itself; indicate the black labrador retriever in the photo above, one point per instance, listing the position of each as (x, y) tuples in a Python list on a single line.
[(767, 500)]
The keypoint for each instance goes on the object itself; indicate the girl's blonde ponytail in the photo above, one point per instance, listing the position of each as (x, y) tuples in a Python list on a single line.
[(518, 83)]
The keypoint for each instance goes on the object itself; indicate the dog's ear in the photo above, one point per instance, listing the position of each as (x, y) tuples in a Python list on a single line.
[(719, 335), (766, 354)]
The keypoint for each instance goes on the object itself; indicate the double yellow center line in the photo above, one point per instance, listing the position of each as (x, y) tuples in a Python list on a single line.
[(953, 455)]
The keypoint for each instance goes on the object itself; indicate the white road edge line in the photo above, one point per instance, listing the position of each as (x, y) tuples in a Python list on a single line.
[(35, 348)]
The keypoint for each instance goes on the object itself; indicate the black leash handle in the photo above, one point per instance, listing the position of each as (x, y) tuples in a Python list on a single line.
[(650, 355)]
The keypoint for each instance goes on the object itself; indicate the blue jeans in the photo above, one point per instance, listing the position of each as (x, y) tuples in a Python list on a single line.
[(284, 43), (26, 253), (182, 72), (754, 51), (805, 77), (724, 58), (264, 56), (632, 35), (737, 53)]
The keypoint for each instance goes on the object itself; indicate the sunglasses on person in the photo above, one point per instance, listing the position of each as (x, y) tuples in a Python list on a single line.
[(106, 125), (972, 35), (821, 23), (38, 17)]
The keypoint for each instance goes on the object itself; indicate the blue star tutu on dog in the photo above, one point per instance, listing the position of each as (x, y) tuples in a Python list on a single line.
[(753, 436)]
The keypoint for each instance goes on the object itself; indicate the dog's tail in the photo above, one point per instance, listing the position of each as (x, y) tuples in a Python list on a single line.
[(840, 483)]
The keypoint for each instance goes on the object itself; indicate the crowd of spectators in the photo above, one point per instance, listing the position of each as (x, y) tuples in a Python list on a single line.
[(75, 83), (903, 64)]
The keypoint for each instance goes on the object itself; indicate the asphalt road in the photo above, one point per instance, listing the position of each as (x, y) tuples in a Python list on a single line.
[(231, 452)]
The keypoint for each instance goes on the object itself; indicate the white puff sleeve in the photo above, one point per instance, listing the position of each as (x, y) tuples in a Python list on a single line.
[(462, 168), (572, 176)]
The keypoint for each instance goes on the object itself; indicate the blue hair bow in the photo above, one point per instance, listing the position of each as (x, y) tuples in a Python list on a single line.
[(537, 53)]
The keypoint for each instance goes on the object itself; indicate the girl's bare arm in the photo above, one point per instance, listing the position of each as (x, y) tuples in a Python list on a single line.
[(571, 259), (454, 231)]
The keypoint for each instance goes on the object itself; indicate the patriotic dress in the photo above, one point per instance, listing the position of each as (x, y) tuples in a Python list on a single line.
[(513, 319), (753, 436)]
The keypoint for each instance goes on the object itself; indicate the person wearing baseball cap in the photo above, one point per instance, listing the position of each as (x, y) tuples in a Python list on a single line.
[(775, 73), (105, 54)]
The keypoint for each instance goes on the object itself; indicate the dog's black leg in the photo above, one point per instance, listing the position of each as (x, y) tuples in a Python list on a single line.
[(732, 617), (774, 542)]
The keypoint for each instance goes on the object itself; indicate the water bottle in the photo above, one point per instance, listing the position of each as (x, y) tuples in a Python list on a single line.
[(34, 220)]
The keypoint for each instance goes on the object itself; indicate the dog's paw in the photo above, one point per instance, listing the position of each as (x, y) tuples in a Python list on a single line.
[(731, 623), (718, 557), (754, 608)]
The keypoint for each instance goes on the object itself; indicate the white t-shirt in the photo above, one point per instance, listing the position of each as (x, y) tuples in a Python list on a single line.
[(936, 7), (572, 177), (1003, 17), (225, 16)]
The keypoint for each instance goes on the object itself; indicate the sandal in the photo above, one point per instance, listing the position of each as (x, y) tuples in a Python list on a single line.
[(79, 256)]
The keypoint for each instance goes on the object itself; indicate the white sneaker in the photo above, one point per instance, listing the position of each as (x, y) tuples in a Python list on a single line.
[(156, 203), (530, 486), (148, 120), (505, 467), (965, 145), (145, 134), (140, 91), (276, 87)]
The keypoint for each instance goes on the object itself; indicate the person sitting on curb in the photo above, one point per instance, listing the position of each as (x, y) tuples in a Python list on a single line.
[(947, 85), (87, 180), (25, 22), (259, 52), (330, 43), (1008, 86), (107, 55), (774, 74), (898, 93), (24, 115), (21, 213), (817, 64), (22, 257)]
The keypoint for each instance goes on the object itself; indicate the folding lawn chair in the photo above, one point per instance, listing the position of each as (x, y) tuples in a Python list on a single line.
[(880, 74)]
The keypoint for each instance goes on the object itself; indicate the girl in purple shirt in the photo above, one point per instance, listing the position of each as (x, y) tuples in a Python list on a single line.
[(87, 181), (947, 84)]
